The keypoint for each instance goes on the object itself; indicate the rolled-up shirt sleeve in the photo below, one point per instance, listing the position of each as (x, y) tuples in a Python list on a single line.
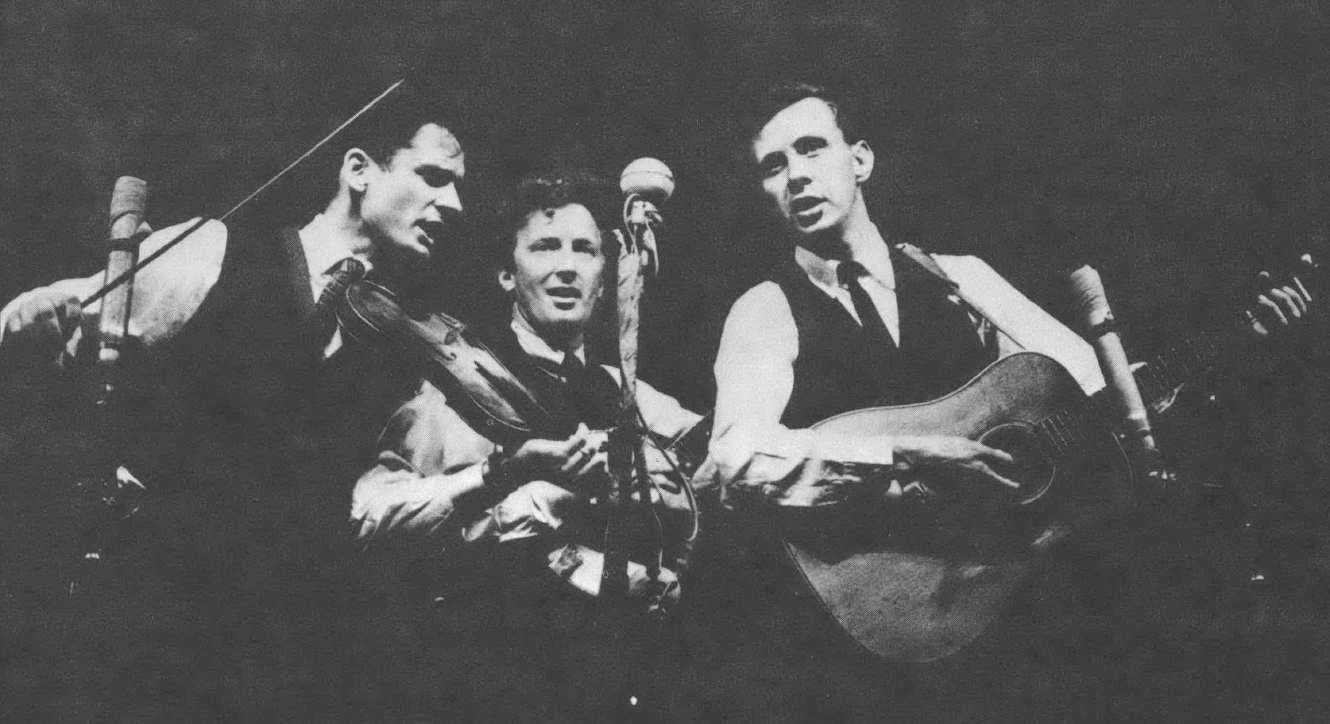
[(427, 477), (427, 485), (663, 414), (753, 464), (753, 459)]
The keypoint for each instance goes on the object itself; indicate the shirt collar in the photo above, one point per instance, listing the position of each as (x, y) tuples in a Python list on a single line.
[(876, 259), (325, 249), (532, 344)]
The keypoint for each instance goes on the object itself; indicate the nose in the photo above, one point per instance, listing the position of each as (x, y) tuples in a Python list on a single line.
[(449, 198), (565, 265), (797, 175)]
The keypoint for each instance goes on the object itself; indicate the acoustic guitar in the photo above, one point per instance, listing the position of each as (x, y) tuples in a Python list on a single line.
[(915, 586)]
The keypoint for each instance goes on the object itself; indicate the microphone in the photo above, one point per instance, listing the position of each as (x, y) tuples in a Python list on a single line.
[(102, 498), (1100, 327), (129, 201), (648, 178), (646, 182)]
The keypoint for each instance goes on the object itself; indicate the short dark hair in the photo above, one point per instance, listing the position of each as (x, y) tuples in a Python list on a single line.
[(392, 124), (541, 192), (782, 95)]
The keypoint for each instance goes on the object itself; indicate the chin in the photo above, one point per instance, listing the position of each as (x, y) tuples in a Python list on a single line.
[(554, 330)]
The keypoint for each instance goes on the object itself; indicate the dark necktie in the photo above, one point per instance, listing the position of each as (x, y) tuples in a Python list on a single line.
[(348, 270), (848, 274), (590, 391)]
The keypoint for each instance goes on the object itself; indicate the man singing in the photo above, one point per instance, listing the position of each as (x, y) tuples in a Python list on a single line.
[(513, 639), (241, 414), (848, 321)]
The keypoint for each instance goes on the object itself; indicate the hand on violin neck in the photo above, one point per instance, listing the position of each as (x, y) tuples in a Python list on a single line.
[(577, 463), (38, 325)]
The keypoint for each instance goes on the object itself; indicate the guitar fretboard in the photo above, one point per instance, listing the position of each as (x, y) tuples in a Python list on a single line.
[(1067, 430)]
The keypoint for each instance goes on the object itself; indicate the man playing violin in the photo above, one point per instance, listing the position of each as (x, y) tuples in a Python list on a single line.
[(847, 321), (241, 414), (507, 629)]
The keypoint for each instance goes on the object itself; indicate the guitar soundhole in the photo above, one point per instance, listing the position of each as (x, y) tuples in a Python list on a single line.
[(1032, 469)]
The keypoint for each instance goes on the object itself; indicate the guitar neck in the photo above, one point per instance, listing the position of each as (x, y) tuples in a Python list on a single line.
[(1186, 360), (1158, 380)]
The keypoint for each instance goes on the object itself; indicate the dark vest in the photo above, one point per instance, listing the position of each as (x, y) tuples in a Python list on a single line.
[(249, 442), (839, 368), (593, 399), (228, 597)]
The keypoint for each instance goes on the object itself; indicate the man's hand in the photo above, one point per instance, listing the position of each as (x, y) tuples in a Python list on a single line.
[(954, 458), (40, 325), (578, 463), (1278, 305)]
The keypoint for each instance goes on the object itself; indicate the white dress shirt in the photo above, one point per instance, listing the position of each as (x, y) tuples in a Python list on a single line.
[(880, 283), (324, 252)]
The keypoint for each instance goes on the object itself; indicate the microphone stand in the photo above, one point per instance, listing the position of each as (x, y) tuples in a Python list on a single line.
[(626, 462), (106, 494), (1156, 480)]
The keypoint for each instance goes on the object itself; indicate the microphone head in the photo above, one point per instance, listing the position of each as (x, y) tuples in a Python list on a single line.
[(1088, 290), (647, 177), (130, 196)]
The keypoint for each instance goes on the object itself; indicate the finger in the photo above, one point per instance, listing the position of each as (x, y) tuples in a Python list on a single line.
[(573, 444), (597, 465), (575, 459), (70, 313), (1302, 288), (1284, 299), (993, 453), (1273, 309), (38, 318), (1256, 324), (990, 475), (598, 439), (590, 475), (1295, 296)]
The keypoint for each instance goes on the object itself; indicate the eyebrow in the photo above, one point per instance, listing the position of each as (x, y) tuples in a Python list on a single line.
[(774, 155), (431, 167)]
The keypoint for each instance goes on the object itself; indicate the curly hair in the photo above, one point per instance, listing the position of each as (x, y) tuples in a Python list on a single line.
[(543, 192)]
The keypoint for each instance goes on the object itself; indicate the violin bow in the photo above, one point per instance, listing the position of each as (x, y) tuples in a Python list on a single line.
[(130, 272)]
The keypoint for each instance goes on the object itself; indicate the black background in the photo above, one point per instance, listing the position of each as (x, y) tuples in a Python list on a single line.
[(1177, 147)]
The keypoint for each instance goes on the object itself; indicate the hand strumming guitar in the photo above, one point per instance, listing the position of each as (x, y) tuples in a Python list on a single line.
[(954, 459)]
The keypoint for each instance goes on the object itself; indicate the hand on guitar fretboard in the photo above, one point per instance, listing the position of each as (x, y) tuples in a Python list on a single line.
[(1283, 303)]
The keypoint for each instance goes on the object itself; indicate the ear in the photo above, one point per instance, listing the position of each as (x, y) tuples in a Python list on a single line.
[(862, 154), (355, 171), (507, 280)]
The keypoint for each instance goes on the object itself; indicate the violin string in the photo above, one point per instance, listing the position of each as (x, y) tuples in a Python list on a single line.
[(129, 273)]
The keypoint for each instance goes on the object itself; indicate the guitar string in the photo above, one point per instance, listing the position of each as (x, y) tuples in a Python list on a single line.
[(1065, 428)]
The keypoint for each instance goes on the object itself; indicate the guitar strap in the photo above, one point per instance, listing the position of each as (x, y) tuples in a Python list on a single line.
[(925, 260)]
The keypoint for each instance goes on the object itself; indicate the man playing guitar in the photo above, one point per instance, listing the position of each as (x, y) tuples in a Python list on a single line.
[(850, 321)]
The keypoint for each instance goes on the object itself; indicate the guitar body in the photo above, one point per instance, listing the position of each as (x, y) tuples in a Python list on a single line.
[(913, 598)]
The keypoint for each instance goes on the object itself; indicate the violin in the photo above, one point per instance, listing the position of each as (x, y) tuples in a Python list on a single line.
[(483, 390)]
